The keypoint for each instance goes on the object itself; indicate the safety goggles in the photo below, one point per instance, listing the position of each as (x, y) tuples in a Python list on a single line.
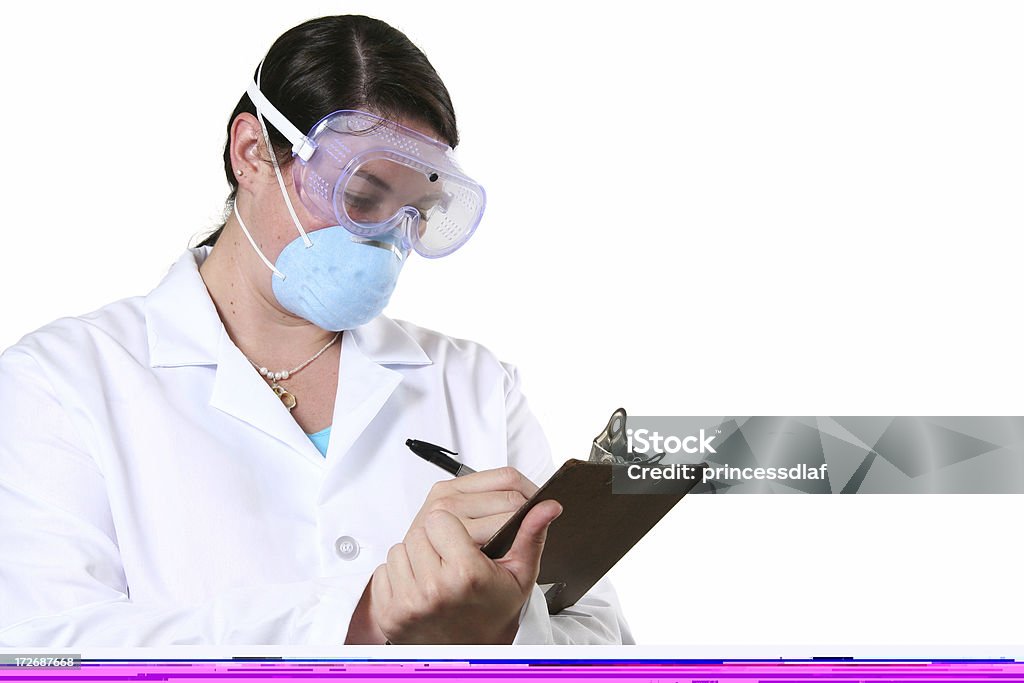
[(373, 176)]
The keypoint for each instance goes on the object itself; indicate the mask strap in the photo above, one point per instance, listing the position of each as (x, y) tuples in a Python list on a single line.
[(253, 243), (273, 157)]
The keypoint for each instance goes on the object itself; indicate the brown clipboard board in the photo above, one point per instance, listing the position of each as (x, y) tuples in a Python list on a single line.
[(596, 528)]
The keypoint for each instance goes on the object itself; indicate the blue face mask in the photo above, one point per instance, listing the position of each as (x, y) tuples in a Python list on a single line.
[(334, 279), (339, 283)]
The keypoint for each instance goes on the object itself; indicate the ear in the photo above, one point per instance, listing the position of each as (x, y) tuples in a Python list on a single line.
[(248, 148)]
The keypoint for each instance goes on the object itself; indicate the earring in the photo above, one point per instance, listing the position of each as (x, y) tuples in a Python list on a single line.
[(239, 172)]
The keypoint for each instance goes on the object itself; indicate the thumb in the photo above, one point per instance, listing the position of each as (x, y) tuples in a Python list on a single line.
[(523, 558)]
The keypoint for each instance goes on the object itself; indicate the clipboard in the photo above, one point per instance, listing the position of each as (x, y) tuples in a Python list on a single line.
[(596, 528)]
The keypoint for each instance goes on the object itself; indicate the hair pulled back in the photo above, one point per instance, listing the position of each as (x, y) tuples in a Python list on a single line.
[(344, 62)]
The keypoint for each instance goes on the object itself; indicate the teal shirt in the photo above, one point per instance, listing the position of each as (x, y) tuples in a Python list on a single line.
[(320, 440)]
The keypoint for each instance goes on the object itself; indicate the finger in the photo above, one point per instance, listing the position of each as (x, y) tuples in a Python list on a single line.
[(484, 504), (481, 530), (399, 569), (380, 586), (501, 479), (422, 556), (450, 539), (523, 558)]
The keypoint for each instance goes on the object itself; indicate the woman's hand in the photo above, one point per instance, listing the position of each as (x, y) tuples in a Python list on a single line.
[(482, 501), (437, 587)]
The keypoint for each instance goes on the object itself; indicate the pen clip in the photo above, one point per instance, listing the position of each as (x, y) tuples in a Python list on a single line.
[(416, 443)]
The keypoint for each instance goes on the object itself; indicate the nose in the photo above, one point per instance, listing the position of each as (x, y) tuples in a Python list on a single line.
[(398, 238), (412, 221)]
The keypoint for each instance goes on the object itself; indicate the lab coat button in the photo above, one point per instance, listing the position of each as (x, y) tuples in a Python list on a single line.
[(346, 547)]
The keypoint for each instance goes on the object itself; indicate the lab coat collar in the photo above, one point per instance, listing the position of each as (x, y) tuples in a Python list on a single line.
[(182, 324), (184, 329), (385, 342)]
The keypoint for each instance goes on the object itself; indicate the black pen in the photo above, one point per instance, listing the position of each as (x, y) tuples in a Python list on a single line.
[(439, 456)]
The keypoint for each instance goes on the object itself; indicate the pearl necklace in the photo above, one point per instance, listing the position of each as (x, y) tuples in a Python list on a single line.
[(288, 398)]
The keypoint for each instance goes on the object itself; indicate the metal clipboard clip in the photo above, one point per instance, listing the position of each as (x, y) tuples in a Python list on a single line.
[(612, 447)]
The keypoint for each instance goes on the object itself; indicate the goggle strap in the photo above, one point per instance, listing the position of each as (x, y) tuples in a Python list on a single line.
[(241, 223), (302, 146)]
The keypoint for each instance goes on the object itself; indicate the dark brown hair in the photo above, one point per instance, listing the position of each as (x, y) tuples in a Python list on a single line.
[(345, 62)]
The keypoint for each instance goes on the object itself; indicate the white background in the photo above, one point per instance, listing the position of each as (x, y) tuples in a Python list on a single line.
[(728, 208)]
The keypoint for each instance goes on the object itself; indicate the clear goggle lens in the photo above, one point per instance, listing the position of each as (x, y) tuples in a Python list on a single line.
[(370, 174)]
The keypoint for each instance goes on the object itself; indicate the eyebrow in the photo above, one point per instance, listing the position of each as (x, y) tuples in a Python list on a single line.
[(373, 180)]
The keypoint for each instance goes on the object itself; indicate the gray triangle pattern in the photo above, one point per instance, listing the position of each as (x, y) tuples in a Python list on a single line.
[(867, 429), (916, 446), (843, 458)]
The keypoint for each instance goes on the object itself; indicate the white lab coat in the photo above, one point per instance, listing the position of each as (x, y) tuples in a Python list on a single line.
[(154, 491)]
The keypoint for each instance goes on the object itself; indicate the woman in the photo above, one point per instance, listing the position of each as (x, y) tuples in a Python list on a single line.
[(223, 460)]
